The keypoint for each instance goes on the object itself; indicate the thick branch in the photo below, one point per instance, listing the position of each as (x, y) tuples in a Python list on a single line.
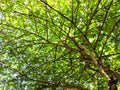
[(85, 52)]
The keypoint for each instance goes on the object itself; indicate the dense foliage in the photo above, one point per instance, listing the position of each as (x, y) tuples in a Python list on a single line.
[(59, 44)]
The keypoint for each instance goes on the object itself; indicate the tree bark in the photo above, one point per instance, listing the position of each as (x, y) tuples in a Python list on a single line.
[(113, 83)]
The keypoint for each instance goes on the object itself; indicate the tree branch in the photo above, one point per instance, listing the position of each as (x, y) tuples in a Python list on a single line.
[(107, 37)]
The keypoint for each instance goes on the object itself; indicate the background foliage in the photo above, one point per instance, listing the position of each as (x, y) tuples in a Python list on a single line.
[(39, 43)]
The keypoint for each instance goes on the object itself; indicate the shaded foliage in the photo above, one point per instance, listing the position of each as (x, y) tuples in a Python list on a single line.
[(59, 44)]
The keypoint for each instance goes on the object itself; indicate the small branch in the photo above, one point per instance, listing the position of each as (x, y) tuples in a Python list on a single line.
[(94, 13), (56, 10), (71, 23), (63, 85), (46, 25), (109, 55), (101, 27), (109, 34)]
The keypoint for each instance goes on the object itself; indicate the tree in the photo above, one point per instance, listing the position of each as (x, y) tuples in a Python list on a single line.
[(59, 44)]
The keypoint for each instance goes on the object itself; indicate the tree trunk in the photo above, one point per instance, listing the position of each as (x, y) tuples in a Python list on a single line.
[(113, 87), (113, 83)]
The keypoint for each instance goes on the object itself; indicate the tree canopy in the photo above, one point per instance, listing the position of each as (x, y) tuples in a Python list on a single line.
[(59, 44)]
